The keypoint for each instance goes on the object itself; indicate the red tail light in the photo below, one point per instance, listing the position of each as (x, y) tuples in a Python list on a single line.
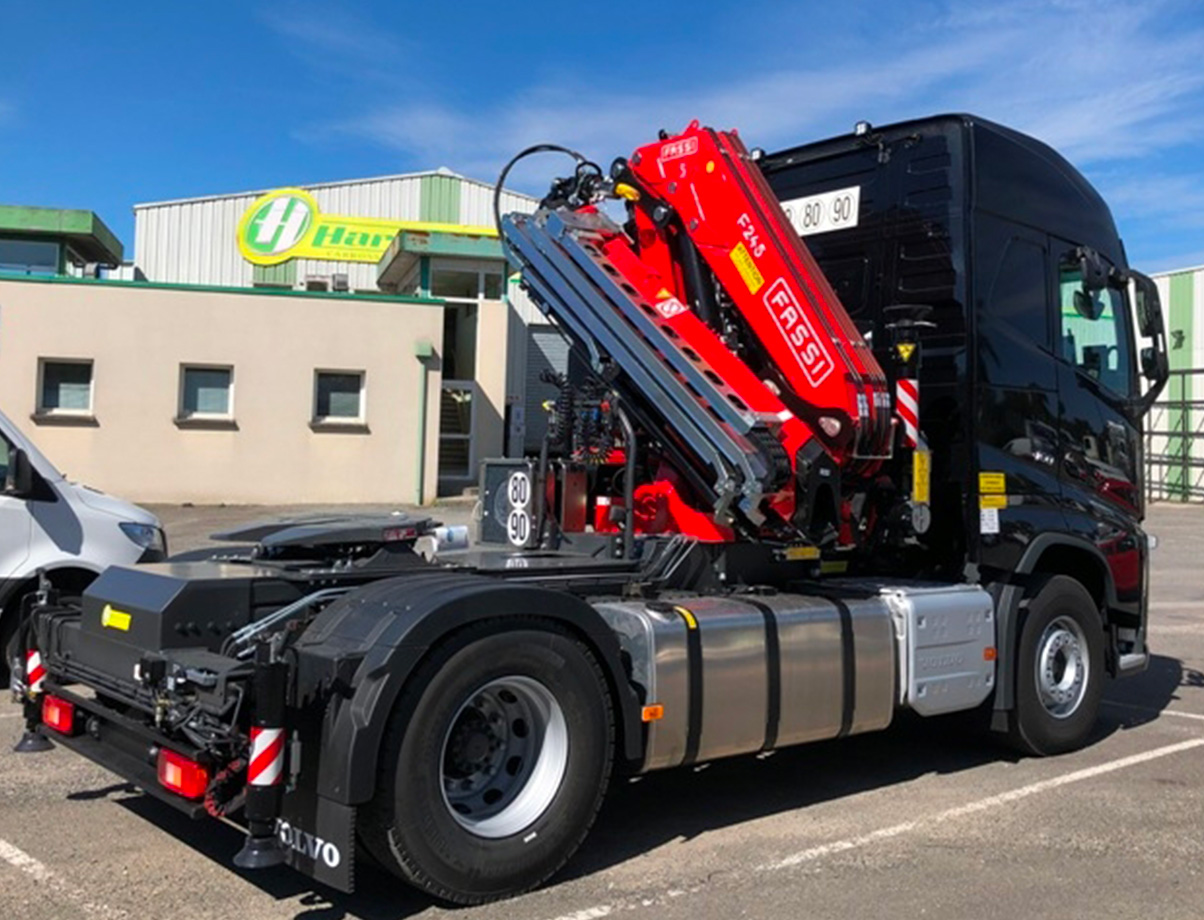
[(58, 714), (182, 776)]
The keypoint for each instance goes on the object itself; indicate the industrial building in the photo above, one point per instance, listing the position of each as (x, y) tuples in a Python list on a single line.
[(347, 342), (1175, 426)]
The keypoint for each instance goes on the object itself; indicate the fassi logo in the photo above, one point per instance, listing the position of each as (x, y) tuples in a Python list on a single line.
[(809, 351)]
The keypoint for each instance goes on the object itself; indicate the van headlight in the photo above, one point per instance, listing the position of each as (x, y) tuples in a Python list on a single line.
[(148, 536)]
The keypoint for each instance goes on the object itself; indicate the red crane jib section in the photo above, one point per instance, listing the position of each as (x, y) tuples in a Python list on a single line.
[(824, 371), (810, 378)]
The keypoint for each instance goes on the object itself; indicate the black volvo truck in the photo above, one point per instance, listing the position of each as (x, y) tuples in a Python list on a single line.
[(347, 685)]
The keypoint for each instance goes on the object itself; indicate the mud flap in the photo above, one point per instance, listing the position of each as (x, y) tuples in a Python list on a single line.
[(318, 837)]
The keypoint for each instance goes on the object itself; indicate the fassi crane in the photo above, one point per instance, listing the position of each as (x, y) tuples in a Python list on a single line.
[(764, 410)]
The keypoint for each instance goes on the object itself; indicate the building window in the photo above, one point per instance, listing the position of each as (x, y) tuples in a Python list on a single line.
[(30, 257), (338, 398), (493, 286), (206, 392), (65, 387), (466, 284), (446, 282)]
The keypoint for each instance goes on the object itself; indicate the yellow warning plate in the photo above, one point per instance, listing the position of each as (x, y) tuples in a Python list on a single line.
[(992, 501), (921, 475), (747, 268), (992, 482)]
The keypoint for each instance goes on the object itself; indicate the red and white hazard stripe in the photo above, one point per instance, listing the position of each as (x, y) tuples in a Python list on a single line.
[(35, 674), (907, 407), (267, 757)]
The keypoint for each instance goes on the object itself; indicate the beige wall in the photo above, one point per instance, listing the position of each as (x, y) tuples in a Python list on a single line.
[(492, 338), (138, 336)]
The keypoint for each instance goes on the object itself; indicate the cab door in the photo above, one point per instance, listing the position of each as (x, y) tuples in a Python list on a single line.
[(1017, 405), (1099, 446), (15, 523)]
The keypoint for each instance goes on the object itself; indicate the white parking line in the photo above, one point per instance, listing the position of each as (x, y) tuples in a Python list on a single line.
[(1003, 798), (896, 830), (1157, 712), (36, 870)]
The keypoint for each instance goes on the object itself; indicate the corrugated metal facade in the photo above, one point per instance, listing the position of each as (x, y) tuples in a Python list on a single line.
[(193, 241), (1173, 470)]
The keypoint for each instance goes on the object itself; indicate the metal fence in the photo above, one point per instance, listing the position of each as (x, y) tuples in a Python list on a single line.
[(1174, 440)]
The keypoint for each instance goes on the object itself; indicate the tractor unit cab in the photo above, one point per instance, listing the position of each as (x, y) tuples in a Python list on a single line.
[(1041, 349)]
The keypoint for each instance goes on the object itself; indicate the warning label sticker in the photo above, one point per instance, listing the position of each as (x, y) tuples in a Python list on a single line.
[(992, 501), (747, 268), (992, 482), (921, 475), (988, 520)]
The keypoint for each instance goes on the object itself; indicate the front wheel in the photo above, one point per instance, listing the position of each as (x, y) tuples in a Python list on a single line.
[(495, 763), (1060, 671)]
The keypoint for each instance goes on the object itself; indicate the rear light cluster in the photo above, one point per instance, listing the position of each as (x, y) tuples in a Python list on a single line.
[(177, 773), (58, 714), (182, 776)]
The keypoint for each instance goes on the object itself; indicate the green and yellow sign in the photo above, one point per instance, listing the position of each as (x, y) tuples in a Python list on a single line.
[(286, 224)]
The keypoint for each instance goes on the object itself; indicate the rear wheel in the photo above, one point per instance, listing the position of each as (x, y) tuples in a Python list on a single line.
[(1060, 672), (495, 763)]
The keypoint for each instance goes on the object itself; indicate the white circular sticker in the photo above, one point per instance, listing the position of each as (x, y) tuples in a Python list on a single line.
[(518, 527), (518, 490)]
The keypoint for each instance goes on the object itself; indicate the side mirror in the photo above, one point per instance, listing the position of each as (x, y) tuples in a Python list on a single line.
[(1087, 306), (19, 481), (1092, 268), (1150, 364), (1148, 305), (1155, 366)]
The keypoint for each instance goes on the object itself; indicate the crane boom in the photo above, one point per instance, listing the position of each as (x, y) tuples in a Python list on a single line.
[(717, 330)]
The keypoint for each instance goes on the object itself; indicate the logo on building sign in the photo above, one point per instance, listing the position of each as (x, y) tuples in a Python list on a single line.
[(276, 223), (287, 224)]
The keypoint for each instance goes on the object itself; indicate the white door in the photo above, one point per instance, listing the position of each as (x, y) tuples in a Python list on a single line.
[(15, 521)]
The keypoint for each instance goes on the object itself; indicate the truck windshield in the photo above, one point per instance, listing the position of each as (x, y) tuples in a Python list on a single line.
[(1100, 347)]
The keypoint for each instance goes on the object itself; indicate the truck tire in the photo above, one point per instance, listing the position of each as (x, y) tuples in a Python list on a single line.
[(494, 764), (1060, 670)]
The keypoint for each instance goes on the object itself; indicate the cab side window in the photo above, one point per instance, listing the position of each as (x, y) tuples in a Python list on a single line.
[(1094, 332), (1018, 296)]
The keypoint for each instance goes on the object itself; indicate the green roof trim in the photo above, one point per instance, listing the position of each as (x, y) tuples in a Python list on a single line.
[(451, 244), (411, 245), (219, 289), (83, 229)]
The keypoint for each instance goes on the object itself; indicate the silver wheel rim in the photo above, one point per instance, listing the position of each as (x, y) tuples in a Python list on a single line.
[(1063, 667), (504, 757)]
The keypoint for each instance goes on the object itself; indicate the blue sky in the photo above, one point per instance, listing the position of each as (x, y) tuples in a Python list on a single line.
[(105, 105)]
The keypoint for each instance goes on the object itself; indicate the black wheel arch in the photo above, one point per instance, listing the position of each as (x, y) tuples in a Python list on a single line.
[(1048, 554), (67, 578), (397, 623)]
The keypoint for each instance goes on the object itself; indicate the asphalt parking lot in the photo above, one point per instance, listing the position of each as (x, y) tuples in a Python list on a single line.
[(921, 820)]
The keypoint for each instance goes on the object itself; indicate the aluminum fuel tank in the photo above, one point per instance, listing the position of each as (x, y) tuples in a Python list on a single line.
[(743, 673)]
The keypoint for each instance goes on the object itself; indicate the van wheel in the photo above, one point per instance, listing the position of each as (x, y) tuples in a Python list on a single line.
[(1060, 671), (494, 764)]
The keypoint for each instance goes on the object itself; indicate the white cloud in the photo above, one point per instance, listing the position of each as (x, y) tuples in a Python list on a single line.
[(1099, 82), (343, 38), (1117, 87)]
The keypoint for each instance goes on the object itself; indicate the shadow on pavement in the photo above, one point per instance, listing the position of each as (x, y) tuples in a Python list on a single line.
[(643, 814)]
